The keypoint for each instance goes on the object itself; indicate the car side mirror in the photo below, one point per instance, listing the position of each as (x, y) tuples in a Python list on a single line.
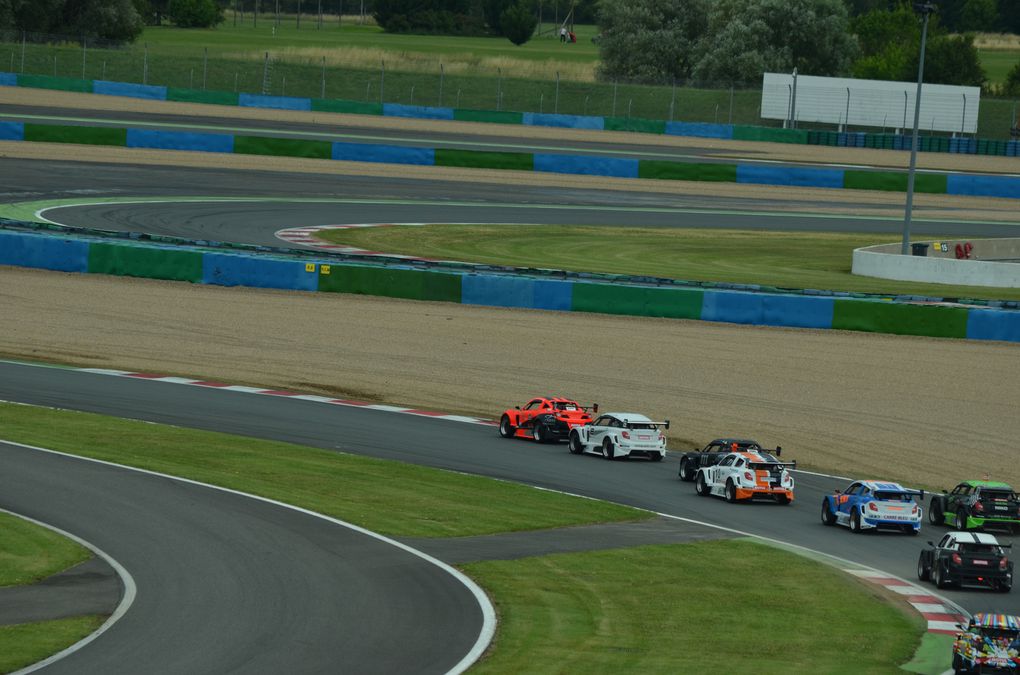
[(945, 492), (932, 544), (517, 407), (667, 424), (779, 450), (594, 407)]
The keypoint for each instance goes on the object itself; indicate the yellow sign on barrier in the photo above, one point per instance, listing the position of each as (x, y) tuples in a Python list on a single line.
[(309, 267), (324, 269)]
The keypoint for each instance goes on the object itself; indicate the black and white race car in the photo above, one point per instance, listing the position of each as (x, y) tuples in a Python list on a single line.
[(616, 435)]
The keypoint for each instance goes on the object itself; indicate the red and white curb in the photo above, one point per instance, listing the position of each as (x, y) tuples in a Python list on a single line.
[(941, 619), (306, 236), (288, 394)]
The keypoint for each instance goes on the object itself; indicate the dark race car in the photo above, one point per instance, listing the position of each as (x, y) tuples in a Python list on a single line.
[(546, 418), (991, 644), (976, 504), (967, 559), (711, 454)]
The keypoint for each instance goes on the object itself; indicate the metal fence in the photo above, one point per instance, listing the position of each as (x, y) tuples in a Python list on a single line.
[(277, 72)]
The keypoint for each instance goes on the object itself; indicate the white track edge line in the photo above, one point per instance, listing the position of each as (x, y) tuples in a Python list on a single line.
[(485, 636), (130, 592)]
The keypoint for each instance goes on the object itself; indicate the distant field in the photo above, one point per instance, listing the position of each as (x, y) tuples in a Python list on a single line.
[(997, 63)]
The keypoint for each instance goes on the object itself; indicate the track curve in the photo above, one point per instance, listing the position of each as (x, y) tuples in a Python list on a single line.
[(227, 583)]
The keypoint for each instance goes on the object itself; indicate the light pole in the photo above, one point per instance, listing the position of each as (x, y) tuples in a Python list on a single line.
[(925, 9)]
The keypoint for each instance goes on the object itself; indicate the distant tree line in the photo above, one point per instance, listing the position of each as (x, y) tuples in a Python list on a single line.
[(109, 20), (959, 16)]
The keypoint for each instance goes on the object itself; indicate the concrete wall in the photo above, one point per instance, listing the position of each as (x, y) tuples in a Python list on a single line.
[(941, 266)]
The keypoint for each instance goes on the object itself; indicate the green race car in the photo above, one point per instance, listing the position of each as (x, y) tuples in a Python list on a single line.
[(974, 504)]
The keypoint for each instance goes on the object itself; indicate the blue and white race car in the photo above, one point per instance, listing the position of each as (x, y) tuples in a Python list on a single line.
[(871, 505)]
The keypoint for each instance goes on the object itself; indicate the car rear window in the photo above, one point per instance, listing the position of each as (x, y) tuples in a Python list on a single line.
[(566, 406), (997, 495), (640, 425), (893, 496), (980, 548)]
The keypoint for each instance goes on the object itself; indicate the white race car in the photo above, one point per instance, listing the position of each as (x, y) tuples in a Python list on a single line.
[(615, 435), (747, 475)]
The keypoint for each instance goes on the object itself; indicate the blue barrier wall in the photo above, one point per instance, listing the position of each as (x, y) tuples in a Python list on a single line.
[(179, 140), (8, 80), (568, 121), (389, 154), (993, 324), (258, 272), (587, 165), (983, 186), (12, 131), (497, 291), (732, 307), (130, 90), (797, 311), (417, 111), (44, 252), (699, 130), (557, 295), (278, 102), (772, 175)]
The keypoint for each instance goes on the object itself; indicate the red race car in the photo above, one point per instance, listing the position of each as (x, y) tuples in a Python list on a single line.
[(546, 418)]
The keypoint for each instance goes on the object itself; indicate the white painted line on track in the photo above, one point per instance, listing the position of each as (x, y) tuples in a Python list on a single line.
[(130, 592), (485, 635)]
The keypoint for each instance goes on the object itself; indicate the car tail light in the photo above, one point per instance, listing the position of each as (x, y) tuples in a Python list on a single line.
[(979, 507), (662, 436), (872, 506), (748, 476), (957, 560), (913, 511), (1003, 563), (625, 434)]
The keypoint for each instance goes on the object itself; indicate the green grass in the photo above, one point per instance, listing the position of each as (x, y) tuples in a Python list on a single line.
[(782, 259), (24, 644), (729, 606), (388, 497), (997, 63), (29, 552)]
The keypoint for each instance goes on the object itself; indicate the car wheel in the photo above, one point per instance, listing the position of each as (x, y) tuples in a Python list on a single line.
[(1004, 586), (855, 522), (538, 433), (575, 444), (935, 514), (506, 430), (922, 570), (731, 491), (782, 499), (607, 449), (700, 486), (687, 471), (658, 457), (828, 517), (961, 520), (938, 575)]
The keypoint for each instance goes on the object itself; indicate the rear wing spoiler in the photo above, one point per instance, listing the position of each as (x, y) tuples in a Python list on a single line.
[(786, 465)]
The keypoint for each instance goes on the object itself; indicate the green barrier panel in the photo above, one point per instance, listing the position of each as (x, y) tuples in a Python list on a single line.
[(521, 161), (635, 124), (769, 134), (61, 133), (441, 287), (348, 107), (199, 96), (676, 303), (392, 283), (49, 82), (893, 182), (654, 168), (144, 261), (900, 319), (491, 116), (282, 147)]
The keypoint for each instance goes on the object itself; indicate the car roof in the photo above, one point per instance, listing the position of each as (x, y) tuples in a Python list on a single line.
[(756, 457), (975, 538), (739, 441), (987, 484), (553, 399), (883, 486), (630, 417), (1007, 621)]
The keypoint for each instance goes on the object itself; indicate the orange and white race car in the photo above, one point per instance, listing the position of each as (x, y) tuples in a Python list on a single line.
[(741, 476), (546, 418)]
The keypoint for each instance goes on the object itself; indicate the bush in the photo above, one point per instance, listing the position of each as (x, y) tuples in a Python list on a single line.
[(518, 22), (195, 13)]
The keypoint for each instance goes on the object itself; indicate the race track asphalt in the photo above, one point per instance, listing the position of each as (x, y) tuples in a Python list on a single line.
[(229, 584), (478, 449)]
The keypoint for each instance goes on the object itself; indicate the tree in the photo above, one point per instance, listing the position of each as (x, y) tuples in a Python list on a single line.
[(650, 40), (979, 15), (107, 19), (1012, 86), (518, 22), (1009, 16), (195, 13), (951, 59), (748, 37), (493, 10)]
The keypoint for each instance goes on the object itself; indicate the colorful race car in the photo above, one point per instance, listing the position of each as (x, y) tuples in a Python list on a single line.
[(741, 476), (967, 559), (872, 505), (616, 435), (545, 418), (975, 504), (710, 455), (991, 644)]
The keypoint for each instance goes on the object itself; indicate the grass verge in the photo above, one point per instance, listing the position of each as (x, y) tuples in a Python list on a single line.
[(29, 552), (24, 644), (781, 259), (388, 497), (731, 606)]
